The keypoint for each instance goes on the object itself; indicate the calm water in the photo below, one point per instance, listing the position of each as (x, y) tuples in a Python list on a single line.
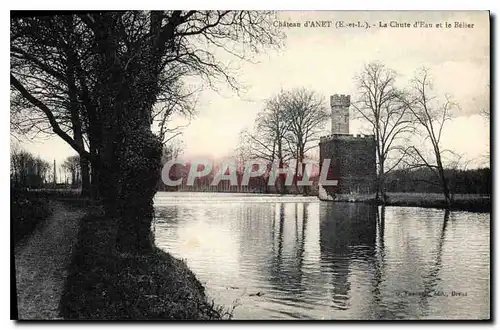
[(299, 258)]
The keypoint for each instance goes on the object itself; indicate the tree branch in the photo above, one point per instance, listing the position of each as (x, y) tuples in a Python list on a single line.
[(50, 116)]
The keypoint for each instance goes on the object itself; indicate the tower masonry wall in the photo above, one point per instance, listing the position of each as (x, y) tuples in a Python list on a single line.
[(352, 163)]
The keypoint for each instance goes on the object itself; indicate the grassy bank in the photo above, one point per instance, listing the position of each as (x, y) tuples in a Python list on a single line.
[(70, 197), (105, 285), (475, 203), (26, 213)]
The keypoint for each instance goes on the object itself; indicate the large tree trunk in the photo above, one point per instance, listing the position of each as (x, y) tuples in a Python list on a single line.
[(130, 154), (94, 183), (139, 170), (108, 82), (84, 166), (71, 75)]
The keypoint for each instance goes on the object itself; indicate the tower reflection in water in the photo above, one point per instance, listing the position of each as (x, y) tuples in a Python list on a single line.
[(314, 247), (348, 233)]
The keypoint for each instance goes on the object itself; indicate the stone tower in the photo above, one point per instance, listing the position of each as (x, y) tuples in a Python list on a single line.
[(352, 157), (340, 113)]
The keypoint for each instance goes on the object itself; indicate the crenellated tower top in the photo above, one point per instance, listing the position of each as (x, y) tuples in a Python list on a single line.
[(340, 100)]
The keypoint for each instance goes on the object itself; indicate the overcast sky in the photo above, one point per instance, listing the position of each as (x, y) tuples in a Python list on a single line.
[(327, 59)]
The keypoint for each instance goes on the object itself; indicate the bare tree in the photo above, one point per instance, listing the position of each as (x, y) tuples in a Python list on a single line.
[(378, 103), (267, 141), (287, 128), (175, 99), (46, 57), (306, 111), (430, 115), (271, 125), (171, 150), (72, 165), (485, 112)]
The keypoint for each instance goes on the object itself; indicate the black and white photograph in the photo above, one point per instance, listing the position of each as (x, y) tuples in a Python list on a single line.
[(250, 165)]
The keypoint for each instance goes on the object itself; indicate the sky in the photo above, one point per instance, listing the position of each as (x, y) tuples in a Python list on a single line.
[(327, 59)]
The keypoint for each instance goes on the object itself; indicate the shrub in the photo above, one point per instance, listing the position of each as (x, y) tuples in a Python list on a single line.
[(26, 213)]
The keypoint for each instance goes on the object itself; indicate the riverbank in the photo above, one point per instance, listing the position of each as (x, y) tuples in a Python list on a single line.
[(105, 285), (473, 203)]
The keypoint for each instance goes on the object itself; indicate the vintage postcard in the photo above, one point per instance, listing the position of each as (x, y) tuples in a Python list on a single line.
[(250, 165)]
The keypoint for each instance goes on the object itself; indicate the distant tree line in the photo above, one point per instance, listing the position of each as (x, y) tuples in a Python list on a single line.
[(422, 180), (27, 170)]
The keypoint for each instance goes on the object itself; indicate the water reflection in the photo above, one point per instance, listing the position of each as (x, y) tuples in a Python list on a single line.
[(347, 233), (309, 259), (288, 246)]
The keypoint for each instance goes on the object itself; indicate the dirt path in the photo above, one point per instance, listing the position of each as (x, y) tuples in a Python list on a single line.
[(42, 263)]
